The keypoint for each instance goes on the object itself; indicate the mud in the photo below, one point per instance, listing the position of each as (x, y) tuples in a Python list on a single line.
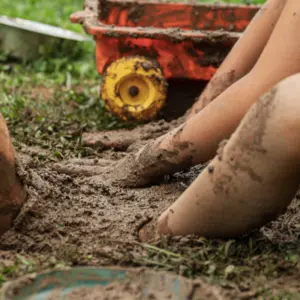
[(219, 38), (63, 210), (137, 288), (78, 212), (117, 291)]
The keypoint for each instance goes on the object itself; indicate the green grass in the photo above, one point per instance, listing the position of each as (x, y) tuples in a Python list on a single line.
[(55, 12)]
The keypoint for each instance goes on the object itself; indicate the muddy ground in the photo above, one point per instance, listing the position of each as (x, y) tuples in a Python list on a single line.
[(83, 220)]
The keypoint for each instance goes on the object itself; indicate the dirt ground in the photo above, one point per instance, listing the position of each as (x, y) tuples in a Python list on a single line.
[(83, 220), (84, 210)]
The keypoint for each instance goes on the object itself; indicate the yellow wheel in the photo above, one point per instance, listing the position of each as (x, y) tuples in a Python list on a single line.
[(134, 88)]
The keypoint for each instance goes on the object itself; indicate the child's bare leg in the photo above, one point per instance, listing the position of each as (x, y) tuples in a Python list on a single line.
[(254, 177), (244, 54), (198, 139), (11, 193)]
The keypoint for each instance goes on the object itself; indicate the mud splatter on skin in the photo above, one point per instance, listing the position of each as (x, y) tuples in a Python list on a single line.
[(122, 139), (152, 162), (249, 143), (211, 169), (222, 183), (215, 88), (149, 166), (251, 137), (221, 149), (254, 127)]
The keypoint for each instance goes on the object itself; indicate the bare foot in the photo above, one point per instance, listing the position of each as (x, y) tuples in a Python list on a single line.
[(84, 167), (146, 167), (126, 173), (123, 138), (116, 139), (149, 165), (135, 170)]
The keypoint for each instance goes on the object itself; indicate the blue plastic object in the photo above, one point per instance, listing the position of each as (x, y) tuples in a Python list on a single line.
[(41, 286)]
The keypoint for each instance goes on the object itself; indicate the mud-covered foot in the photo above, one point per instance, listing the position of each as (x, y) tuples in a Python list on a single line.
[(149, 165), (84, 167), (132, 171), (116, 139), (123, 138)]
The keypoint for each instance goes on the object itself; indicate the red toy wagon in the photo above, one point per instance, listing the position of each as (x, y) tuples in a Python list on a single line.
[(141, 45)]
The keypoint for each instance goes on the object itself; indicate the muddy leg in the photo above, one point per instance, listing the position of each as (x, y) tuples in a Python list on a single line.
[(12, 195), (244, 54), (253, 179), (198, 139)]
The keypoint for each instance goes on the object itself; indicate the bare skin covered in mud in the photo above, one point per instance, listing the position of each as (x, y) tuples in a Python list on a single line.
[(122, 139), (12, 195), (216, 199)]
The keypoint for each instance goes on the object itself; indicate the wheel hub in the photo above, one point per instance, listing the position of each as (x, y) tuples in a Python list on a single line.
[(134, 91)]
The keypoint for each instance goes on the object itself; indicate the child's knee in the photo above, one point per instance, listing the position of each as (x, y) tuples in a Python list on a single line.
[(287, 101), (281, 105)]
